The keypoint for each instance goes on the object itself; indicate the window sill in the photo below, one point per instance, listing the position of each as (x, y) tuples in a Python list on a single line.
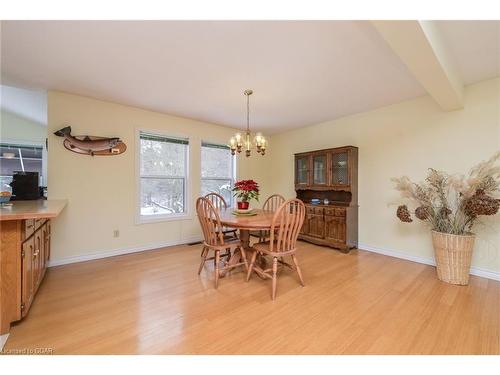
[(162, 218)]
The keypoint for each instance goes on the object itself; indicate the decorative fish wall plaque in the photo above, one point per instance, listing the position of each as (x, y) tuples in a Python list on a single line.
[(91, 145)]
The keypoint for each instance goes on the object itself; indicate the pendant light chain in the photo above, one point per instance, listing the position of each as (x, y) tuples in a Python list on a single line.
[(248, 113)]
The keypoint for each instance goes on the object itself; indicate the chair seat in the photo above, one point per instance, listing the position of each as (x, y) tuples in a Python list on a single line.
[(265, 247), (228, 243)]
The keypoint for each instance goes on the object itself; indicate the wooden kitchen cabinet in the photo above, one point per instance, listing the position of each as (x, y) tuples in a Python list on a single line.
[(27, 271), (23, 270), (25, 242), (34, 260)]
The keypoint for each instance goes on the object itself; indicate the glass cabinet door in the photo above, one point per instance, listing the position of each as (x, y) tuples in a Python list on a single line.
[(302, 170), (340, 171), (319, 169)]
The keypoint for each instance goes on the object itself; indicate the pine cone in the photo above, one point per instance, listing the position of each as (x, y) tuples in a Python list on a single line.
[(404, 214), (423, 212), (481, 204)]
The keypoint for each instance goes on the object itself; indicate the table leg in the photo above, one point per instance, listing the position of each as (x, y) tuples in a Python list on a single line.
[(236, 256), (245, 238)]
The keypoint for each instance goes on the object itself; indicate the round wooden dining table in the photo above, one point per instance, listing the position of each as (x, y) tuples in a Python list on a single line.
[(245, 223)]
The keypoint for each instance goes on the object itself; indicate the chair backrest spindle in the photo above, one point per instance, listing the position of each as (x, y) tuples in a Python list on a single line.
[(273, 202), (209, 218), (217, 200), (286, 224)]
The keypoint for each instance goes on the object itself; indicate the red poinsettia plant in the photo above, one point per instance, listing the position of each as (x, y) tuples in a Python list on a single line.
[(245, 190)]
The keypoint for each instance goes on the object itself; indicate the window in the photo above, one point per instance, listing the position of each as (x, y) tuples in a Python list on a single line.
[(24, 158), (163, 175), (217, 170)]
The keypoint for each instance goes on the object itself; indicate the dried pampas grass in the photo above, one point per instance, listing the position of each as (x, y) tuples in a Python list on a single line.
[(452, 203)]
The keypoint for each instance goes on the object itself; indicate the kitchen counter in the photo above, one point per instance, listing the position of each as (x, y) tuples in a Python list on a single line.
[(35, 209)]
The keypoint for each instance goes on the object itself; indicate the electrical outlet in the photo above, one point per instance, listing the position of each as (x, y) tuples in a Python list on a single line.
[(116, 233)]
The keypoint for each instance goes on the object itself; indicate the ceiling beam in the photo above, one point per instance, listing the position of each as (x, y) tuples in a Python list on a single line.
[(418, 44)]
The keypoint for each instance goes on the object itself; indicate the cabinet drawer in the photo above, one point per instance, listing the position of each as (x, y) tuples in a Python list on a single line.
[(314, 210), (28, 228), (335, 212), (319, 210)]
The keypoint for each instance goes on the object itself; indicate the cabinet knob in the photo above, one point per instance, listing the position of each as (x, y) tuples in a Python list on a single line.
[(35, 254)]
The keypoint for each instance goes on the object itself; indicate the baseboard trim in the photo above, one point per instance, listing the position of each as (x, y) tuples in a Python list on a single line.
[(476, 271), (116, 252)]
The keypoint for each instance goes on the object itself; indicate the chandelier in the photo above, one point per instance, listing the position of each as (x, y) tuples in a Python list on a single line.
[(239, 142)]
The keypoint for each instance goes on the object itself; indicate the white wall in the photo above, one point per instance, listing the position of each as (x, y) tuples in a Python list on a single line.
[(405, 139), (102, 190)]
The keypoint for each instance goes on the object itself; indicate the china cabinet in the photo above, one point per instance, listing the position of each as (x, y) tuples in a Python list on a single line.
[(330, 176)]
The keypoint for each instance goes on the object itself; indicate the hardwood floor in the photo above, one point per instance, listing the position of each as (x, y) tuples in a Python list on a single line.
[(356, 303)]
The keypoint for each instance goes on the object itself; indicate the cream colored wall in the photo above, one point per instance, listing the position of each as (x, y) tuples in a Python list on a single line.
[(14, 128), (101, 191), (17, 128), (405, 139)]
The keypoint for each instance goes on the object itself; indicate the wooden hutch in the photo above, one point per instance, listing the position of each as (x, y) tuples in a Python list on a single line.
[(330, 174)]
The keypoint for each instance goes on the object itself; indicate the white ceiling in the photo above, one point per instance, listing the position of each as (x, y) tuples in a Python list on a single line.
[(302, 72), (29, 104), (475, 46)]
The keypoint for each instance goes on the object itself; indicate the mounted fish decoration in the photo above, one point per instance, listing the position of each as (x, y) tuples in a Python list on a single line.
[(91, 145)]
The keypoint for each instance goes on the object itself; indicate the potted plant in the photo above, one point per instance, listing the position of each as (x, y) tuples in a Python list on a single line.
[(451, 205), (246, 190)]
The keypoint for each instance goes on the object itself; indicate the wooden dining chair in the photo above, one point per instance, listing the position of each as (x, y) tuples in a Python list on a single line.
[(215, 240), (284, 232), (220, 204), (271, 204)]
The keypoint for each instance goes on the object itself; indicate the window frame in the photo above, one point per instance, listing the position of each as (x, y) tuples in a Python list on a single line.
[(186, 215), (233, 168)]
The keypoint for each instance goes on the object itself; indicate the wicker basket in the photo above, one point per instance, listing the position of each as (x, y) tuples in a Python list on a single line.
[(453, 256)]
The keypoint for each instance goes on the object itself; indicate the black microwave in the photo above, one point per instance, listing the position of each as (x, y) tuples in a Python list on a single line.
[(25, 186)]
